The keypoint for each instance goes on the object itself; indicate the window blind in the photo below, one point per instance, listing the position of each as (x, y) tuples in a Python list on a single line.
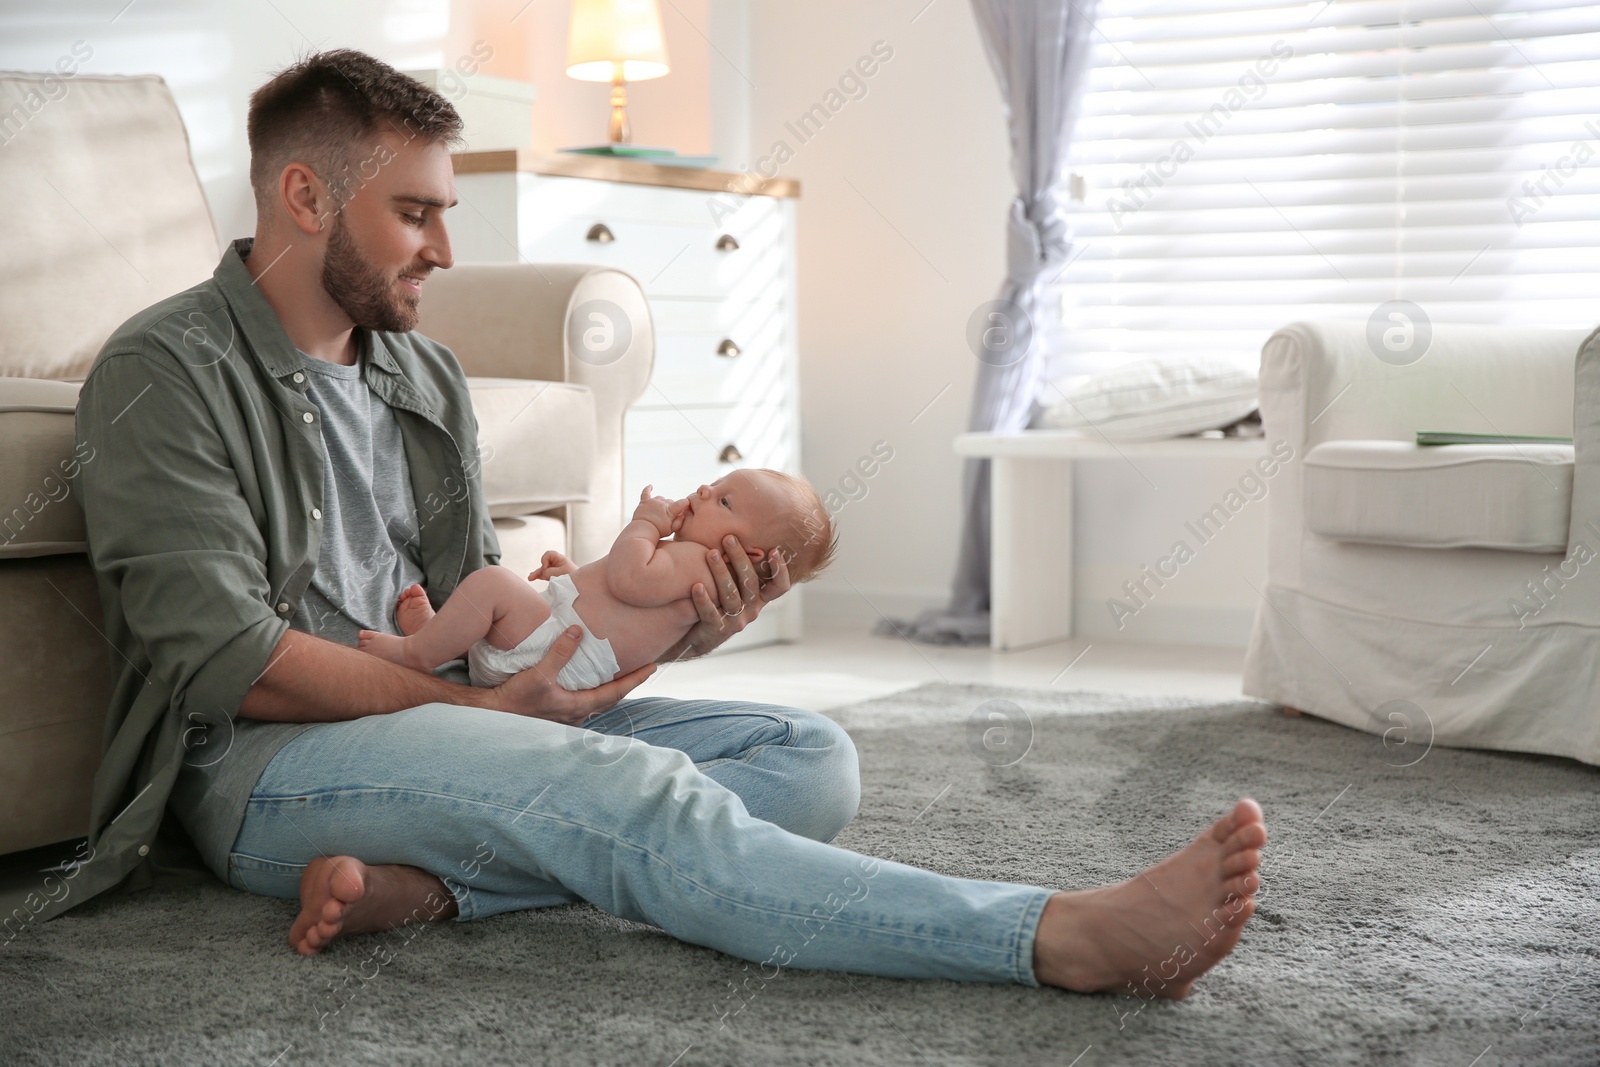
[(1257, 163)]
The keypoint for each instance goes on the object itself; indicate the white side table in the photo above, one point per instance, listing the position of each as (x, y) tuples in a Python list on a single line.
[(1030, 499)]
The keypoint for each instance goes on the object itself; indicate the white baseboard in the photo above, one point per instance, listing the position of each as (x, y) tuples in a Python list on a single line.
[(1214, 626), (836, 604)]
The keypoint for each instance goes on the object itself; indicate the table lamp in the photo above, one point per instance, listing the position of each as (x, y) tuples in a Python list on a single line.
[(616, 41)]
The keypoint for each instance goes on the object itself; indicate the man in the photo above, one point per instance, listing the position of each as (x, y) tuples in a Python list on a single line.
[(267, 437)]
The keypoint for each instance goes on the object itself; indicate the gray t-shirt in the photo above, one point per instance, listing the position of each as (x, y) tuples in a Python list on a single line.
[(369, 553), (369, 540)]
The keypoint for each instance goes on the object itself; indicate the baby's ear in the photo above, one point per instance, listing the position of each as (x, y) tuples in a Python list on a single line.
[(756, 554)]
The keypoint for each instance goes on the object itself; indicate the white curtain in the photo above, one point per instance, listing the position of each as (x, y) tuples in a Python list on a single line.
[(1040, 53)]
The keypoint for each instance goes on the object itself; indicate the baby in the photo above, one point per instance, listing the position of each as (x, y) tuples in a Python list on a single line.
[(633, 604)]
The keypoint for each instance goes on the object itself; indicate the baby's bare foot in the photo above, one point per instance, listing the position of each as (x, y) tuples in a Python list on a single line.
[(1154, 934), (389, 647), (413, 609), (341, 896)]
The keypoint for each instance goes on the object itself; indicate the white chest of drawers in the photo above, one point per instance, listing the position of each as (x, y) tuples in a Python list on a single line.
[(719, 274)]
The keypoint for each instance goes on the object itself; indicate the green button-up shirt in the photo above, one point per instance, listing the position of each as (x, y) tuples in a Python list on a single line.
[(209, 463)]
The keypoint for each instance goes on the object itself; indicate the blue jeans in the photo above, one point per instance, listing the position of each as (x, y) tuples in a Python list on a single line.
[(704, 818)]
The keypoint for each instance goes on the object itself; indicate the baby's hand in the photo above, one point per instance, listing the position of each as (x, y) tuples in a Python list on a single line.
[(552, 565), (665, 515)]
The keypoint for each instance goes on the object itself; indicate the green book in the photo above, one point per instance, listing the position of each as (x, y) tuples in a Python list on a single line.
[(1444, 437), (630, 151), (661, 157)]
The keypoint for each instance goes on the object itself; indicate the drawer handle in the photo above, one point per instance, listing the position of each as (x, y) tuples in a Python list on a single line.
[(600, 233), (729, 454), (727, 348), (726, 243)]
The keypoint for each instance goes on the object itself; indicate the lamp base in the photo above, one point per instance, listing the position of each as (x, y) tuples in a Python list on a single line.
[(621, 132)]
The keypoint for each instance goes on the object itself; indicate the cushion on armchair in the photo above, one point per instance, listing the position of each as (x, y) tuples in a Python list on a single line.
[(1511, 497), (537, 442)]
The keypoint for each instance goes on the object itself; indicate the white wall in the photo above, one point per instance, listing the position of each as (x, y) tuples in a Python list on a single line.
[(903, 199)]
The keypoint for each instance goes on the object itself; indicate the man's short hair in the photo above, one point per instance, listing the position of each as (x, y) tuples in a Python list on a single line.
[(327, 112)]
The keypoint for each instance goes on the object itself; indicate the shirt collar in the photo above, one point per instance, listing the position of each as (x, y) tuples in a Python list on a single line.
[(261, 324)]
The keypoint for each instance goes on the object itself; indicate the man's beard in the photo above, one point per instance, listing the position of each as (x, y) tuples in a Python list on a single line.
[(361, 290)]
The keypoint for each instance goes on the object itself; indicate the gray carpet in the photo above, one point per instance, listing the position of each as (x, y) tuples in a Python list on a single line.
[(1440, 913)]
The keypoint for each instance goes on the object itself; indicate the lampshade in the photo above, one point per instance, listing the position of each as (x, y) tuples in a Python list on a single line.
[(608, 33)]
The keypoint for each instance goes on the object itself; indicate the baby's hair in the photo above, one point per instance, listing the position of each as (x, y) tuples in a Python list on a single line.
[(807, 538)]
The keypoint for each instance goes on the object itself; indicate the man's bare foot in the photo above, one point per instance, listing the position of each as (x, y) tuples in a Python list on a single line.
[(1154, 934), (340, 896), (413, 609)]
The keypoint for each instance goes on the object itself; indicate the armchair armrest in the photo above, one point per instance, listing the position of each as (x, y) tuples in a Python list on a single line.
[(1320, 382), (1586, 446), (527, 321)]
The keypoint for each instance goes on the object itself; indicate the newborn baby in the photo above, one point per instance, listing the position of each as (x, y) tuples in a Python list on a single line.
[(633, 604)]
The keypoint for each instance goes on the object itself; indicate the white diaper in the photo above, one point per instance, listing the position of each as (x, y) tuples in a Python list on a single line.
[(594, 664)]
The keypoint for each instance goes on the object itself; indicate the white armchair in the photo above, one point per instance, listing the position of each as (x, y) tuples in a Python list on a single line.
[(1434, 596)]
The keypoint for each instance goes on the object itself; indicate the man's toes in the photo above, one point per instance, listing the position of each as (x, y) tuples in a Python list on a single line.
[(1252, 835), (1244, 860), (1243, 905), (347, 884), (1244, 812), (1243, 885)]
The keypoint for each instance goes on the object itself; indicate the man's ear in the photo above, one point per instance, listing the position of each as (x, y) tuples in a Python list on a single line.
[(304, 198)]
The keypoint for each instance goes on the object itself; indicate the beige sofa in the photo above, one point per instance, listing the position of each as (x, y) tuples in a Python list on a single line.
[(108, 216)]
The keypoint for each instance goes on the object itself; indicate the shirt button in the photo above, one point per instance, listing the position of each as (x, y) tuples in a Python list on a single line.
[(307, 416), (316, 513), (144, 850), (298, 377), (283, 607)]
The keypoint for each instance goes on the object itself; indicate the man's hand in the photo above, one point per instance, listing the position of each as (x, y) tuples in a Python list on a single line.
[(533, 692), (552, 565), (742, 595), (665, 515)]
